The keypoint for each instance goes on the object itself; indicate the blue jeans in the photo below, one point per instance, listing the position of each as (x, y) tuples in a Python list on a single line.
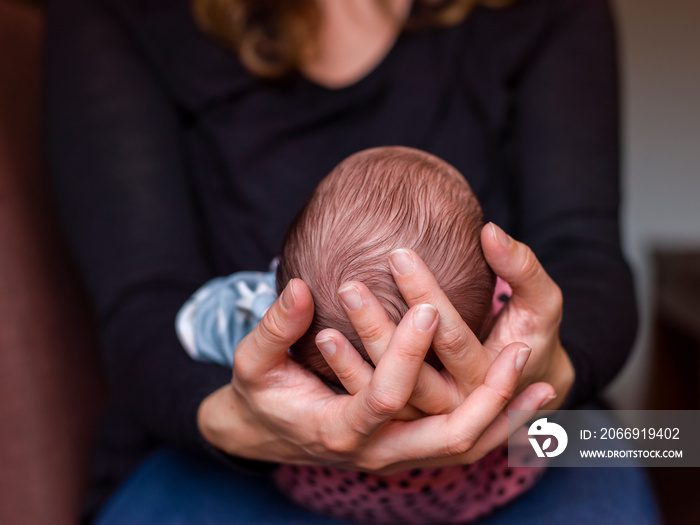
[(173, 487)]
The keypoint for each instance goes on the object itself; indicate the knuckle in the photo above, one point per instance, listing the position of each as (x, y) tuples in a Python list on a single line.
[(424, 399), (371, 333), (365, 465), (459, 443), (530, 265), (502, 395), (474, 455), (452, 340), (532, 270), (383, 404), (348, 375), (271, 331), (421, 295), (373, 464), (425, 297), (556, 302), (411, 353), (551, 309), (421, 389), (340, 443), (244, 369)]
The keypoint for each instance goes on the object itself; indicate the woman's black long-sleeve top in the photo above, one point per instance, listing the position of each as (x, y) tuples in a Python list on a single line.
[(172, 164)]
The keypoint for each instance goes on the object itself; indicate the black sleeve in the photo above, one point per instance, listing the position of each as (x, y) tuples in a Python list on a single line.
[(566, 157), (114, 144)]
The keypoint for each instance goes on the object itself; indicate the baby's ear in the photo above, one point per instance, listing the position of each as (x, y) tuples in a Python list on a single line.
[(502, 292)]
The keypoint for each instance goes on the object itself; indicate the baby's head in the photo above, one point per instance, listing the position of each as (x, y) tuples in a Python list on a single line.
[(372, 203)]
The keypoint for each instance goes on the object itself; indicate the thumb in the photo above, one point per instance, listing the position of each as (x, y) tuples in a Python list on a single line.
[(286, 321), (516, 264)]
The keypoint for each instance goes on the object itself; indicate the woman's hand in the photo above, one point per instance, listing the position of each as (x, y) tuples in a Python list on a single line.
[(533, 313), (532, 316), (275, 410)]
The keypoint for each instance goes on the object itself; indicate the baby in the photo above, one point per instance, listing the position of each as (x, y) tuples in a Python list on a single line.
[(372, 203)]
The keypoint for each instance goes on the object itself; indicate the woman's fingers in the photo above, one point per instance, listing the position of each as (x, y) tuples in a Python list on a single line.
[(353, 372), (492, 396), (396, 372), (457, 347), (368, 317), (456, 433), (532, 314), (351, 369), (533, 398), (432, 394), (265, 347), (515, 263)]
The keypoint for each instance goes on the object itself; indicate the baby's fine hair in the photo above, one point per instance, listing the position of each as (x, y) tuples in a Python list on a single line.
[(372, 203)]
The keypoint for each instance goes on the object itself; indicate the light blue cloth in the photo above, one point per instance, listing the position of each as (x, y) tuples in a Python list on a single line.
[(222, 312)]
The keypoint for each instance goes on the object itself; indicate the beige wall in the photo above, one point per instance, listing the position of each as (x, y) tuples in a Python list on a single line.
[(660, 56)]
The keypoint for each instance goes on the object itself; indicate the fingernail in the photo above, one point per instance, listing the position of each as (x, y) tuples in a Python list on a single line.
[(501, 237), (424, 317), (350, 296), (326, 346), (402, 261), (546, 401), (521, 358), (288, 300)]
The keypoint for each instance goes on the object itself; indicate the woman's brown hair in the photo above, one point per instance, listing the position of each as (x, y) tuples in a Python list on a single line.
[(269, 36)]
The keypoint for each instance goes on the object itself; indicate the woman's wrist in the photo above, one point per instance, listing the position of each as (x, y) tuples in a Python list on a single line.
[(216, 438), (218, 420), (227, 423)]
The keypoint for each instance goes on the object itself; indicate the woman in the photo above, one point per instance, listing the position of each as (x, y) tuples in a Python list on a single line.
[(175, 160)]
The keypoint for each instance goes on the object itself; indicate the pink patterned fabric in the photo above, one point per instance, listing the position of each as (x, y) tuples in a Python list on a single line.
[(436, 495)]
